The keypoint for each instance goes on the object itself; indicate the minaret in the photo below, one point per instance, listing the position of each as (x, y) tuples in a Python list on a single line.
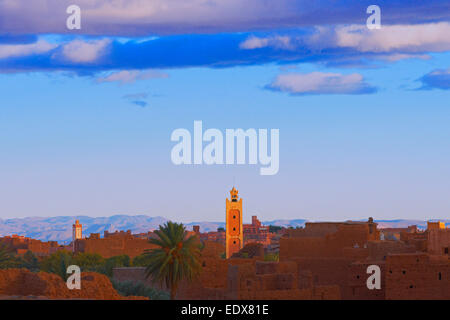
[(77, 232), (234, 232)]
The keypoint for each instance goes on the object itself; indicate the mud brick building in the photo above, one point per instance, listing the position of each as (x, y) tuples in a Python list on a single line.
[(113, 244), (20, 245)]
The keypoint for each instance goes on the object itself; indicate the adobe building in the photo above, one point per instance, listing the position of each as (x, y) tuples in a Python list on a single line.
[(20, 245), (241, 278), (112, 244), (339, 254), (418, 276), (212, 236), (257, 233), (438, 238), (324, 261)]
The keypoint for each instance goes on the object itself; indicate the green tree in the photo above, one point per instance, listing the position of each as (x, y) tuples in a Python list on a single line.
[(57, 263), (89, 262), (30, 262), (141, 261), (115, 262), (7, 257), (130, 288), (176, 258), (275, 229)]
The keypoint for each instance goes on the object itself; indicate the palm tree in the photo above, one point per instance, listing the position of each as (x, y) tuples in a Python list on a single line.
[(176, 258)]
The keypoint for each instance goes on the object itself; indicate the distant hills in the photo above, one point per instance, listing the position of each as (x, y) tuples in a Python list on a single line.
[(60, 228)]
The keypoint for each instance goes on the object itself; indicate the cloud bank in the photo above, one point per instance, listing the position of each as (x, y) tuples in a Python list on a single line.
[(332, 45), (162, 17)]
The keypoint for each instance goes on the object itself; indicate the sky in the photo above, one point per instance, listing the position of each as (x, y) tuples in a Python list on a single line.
[(86, 115)]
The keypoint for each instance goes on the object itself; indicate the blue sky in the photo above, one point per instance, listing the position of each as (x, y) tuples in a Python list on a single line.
[(86, 115)]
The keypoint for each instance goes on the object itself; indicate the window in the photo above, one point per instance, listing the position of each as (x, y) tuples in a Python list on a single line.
[(440, 276), (446, 250)]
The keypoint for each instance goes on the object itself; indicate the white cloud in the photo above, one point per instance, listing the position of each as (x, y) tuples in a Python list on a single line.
[(85, 51), (131, 17), (400, 41), (279, 42), (130, 76), (402, 56), (144, 17), (320, 83), (390, 38), (19, 50)]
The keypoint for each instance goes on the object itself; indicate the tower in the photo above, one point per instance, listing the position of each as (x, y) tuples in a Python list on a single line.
[(77, 232), (234, 238)]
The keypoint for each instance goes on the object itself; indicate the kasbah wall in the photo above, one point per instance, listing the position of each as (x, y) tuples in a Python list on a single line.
[(20, 245), (339, 253), (113, 244)]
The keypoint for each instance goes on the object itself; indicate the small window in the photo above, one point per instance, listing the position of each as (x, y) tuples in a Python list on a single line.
[(440, 276), (234, 242), (234, 217), (446, 250), (234, 229), (404, 272)]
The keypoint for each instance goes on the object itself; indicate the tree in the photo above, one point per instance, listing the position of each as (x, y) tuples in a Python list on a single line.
[(7, 258), (58, 263), (275, 229), (115, 262), (132, 288), (29, 261), (141, 260), (220, 229), (176, 258), (89, 262)]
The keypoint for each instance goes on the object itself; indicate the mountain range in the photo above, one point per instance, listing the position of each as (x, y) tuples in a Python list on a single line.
[(60, 228)]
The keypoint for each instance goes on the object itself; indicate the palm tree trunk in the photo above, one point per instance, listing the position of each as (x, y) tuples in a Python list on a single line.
[(173, 292)]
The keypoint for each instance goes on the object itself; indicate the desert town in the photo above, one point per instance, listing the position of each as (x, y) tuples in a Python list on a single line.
[(321, 261)]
